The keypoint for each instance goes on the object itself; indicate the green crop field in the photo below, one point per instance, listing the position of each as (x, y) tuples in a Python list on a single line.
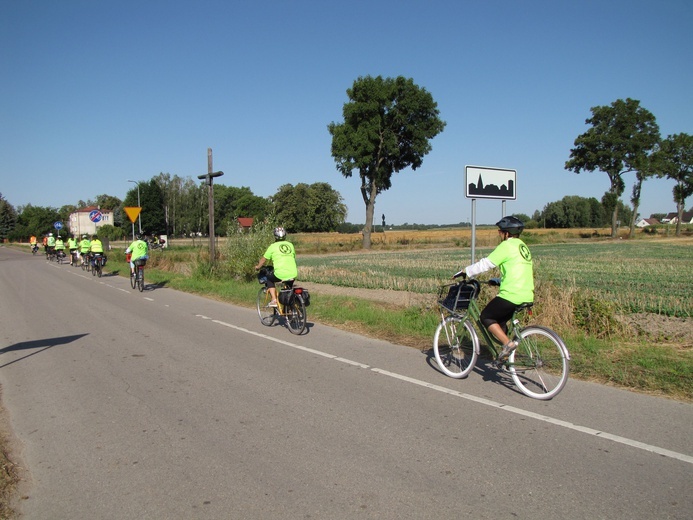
[(637, 276)]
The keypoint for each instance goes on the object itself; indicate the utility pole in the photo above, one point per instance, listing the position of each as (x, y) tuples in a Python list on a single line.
[(210, 194)]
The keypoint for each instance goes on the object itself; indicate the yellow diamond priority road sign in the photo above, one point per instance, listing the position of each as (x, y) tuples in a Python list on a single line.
[(132, 213)]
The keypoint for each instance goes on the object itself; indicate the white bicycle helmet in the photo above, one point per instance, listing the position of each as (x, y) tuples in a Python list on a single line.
[(279, 233)]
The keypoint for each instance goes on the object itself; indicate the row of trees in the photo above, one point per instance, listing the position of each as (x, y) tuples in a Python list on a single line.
[(624, 138), (180, 207)]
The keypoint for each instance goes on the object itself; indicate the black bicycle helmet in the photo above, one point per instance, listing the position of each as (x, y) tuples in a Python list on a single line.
[(512, 225), (279, 233)]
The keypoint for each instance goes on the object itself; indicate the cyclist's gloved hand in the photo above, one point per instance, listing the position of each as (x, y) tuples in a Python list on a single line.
[(461, 273), (495, 281)]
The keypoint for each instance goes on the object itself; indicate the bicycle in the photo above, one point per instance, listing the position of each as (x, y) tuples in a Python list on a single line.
[(540, 364), (97, 264), (291, 304), (137, 280)]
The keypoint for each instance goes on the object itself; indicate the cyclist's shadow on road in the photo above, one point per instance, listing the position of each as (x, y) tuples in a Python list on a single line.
[(483, 367), (147, 286)]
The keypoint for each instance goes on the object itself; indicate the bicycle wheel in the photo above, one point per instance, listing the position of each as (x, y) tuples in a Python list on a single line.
[(267, 314), (540, 364), (133, 280), (456, 347), (140, 278), (296, 315)]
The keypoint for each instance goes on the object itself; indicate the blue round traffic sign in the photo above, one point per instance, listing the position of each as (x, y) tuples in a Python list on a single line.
[(95, 216), (58, 225)]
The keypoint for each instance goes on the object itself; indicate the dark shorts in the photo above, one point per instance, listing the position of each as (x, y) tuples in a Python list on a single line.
[(498, 310), (272, 280)]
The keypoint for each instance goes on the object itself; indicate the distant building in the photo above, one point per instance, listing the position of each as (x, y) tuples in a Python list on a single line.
[(88, 220), (644, 222), (673, 218), (246, 222)]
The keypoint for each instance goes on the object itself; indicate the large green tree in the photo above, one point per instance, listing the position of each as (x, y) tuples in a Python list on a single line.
[(674, 159), (573, 211), (620, 140), (387, 127), (231, 202), (35, 220), (309, 208)]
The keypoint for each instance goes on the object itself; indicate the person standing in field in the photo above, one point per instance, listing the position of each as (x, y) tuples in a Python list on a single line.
[(513, 258)]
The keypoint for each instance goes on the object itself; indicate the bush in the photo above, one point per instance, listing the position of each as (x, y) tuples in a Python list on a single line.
[(244, 249), (594, 316)]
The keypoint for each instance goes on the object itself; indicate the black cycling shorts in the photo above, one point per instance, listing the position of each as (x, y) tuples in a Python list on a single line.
[(498, 310)]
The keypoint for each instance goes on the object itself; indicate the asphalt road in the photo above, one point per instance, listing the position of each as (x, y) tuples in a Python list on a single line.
[(165, 405)]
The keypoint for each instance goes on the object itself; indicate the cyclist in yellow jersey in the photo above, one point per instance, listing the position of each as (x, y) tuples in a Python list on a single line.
[(84, 246), (139, 250), (72, 246), (50, 243), (95, 248), (283, 257), (514, 260), (59, 246)]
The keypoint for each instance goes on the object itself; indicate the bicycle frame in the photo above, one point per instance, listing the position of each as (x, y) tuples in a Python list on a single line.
[(473, 314)]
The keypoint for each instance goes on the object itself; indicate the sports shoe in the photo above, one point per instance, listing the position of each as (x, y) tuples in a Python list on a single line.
[(505, 353), (273, 303)]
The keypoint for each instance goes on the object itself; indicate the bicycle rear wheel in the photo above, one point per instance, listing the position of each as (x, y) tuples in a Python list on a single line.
[(267, 314), (140, 278), (540, 364), (296, 315), (456, 347)]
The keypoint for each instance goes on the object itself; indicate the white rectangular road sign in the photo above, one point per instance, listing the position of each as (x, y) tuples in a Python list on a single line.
[(490, 183)]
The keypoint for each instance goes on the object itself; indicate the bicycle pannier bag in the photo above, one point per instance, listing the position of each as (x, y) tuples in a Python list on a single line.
[(285, 296), (304, 294)]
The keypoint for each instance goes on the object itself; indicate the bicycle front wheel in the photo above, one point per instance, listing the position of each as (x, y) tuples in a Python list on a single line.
[(133, 279), (296, 315), (456, 347), (267, 314), (540, 364)]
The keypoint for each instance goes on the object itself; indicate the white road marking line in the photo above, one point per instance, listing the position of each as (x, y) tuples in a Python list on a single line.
[(480, 400)]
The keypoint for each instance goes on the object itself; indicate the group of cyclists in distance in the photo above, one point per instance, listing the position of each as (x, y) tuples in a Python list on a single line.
[(86, 250)]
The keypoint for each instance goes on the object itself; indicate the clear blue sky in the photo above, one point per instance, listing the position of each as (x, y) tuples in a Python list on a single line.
[(94, 93)]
